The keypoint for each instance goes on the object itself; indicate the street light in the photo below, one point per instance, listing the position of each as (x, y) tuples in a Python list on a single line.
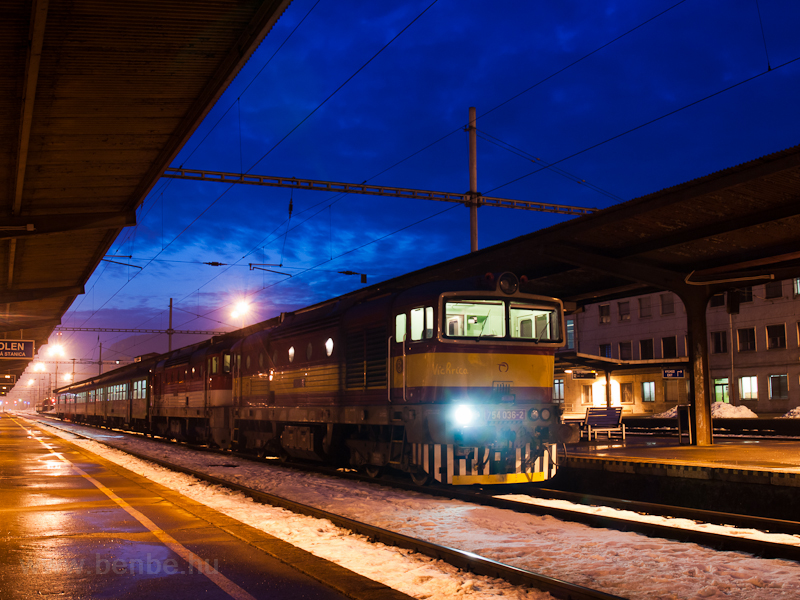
[(242, 309)]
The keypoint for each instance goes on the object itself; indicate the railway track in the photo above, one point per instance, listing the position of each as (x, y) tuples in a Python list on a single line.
[(762, 548), (467, 561)]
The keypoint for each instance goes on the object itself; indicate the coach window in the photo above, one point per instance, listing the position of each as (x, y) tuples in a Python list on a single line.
[(275, 358), (309, 350), (400, 327), (214, 365), (291, 354), (329, 347), (261, 361), (226, 363), (247, 362)]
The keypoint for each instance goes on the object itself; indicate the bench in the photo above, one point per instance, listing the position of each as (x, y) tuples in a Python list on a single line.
[(606, 420)]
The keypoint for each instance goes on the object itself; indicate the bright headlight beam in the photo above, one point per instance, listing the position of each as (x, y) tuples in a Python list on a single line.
[(465, 415)]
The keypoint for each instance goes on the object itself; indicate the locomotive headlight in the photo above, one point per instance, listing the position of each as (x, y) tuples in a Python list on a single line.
[(465, 415), (508, 283), (533, 414), (545, 414)]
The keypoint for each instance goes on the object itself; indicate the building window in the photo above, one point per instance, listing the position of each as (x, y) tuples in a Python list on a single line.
[(624, 311), (748, 388), (746, 294), (586, 395), (646, 349), (626, 392), (667, 304), (644, 307), (718, 300), (625, 351), (605, 313), (570, 334), (605, 350), (747, 339), (719, 342), (776, 336), (558, 391), (778, 387), (721, 390), (648, 391), (669, 347), (773, 289)]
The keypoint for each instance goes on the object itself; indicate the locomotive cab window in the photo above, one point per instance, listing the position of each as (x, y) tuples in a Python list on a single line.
[(532, 322), (422, 323), (400, 328), (475, 318), (516, 319)]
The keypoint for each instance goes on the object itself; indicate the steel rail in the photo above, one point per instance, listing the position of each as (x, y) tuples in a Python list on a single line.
[(716, 541), (461, 559)]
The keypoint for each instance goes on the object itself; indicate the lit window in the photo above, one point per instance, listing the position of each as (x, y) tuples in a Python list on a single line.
[(748, 388), (329, 347), (721, 390), (417, 323), (558, 390), (648, 391), (778, 387), (400, 328), (571, 334)]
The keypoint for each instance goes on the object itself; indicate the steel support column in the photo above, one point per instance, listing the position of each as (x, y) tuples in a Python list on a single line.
[(696, 303)]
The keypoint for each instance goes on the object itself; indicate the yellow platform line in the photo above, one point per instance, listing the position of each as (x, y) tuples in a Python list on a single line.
[(225, 584)]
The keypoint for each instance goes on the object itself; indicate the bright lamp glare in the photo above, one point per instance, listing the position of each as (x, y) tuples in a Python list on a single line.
[(56, 350), (38, 367), (241, 309), (465, 415)]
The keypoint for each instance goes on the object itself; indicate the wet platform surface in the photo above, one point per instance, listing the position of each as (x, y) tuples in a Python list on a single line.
[(774, 456), (73, 525)]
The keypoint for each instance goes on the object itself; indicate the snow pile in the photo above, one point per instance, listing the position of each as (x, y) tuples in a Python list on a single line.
[(723, 410), (792, 414)]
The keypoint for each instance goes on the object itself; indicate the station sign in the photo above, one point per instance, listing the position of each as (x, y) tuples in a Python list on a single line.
[(674, 373), (16, 349), (8, 378), (584, 375)]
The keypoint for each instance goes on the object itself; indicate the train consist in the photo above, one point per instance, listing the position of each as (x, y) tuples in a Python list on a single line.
[(448, 381)]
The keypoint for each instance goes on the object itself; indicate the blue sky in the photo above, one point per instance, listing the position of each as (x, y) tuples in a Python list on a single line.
[(550, 79)]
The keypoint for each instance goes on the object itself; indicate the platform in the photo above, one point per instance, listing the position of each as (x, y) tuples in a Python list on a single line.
[(760, 477), (77, 526)]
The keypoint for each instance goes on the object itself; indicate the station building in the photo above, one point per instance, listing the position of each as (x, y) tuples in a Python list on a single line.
[(638, 347)]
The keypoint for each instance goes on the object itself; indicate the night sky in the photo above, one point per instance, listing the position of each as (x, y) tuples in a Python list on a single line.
[(586, 86)]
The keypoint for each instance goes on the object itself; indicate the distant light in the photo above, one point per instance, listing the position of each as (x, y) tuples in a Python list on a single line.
[(31, 382), (55, 350), (39, 367), (241, 309)]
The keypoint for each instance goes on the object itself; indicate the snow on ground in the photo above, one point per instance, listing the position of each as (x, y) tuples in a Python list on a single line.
[(719, 410), (621, 563), (792, 414)]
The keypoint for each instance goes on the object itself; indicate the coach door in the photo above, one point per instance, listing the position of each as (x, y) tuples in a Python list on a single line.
[(397, 359)]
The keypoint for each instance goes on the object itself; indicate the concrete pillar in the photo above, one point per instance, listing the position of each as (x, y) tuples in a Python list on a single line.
[(700, 393)]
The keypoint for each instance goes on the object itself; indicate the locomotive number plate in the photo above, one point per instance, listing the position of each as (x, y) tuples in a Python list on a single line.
[(505, 415)]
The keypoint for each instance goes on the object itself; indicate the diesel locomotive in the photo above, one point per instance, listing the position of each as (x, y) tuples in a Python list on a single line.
[(448, 381)]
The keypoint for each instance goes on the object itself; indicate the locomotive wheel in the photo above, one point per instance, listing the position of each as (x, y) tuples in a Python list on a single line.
[(420, 477), (373, 471)]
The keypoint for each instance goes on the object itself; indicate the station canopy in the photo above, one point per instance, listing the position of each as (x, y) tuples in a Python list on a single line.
[(96, 99)]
